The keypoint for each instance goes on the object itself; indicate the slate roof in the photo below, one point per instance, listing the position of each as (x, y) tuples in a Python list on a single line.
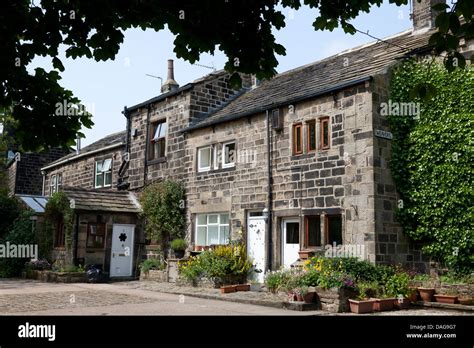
[(104, 201), (118, 138), (341, 70)]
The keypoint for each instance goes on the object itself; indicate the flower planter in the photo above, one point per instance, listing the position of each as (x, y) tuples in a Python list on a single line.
[(227, 289), (308, 298), (360, 307), (401, 303), (242, 287), (383, 304), (305, 254), (299, 298), (179, 254), (446, 299), (413, 297), (426, 294), (198, 248)]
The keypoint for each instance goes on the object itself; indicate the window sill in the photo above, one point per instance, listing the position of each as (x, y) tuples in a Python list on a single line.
[(156, 161), (216, 171)]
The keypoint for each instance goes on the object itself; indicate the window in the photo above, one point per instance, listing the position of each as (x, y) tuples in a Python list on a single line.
[(311, 136), (333, 229), (324, 136), (212, 229), (204, 159), (297, 139), (228, 155), (95, 235), (103, 173), (158, 140), (313, 231), (55, 183), (59, 235), (292, 233)]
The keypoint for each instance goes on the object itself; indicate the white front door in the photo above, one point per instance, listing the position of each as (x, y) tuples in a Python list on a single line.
[(121, 258), (290, 241), (256, 243)]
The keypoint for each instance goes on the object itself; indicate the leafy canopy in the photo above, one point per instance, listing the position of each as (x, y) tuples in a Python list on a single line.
[(242, 29)]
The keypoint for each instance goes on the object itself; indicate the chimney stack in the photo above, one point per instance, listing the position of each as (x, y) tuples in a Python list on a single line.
[(423, 15), (170, 84), (78, 145)]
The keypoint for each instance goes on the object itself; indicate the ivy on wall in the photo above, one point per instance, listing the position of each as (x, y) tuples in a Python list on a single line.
[(58, 209), (432, 159), (163, 208)]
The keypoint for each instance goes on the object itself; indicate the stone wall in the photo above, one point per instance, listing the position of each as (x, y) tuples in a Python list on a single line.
[(335, 300), (80, 173), (25, 175)]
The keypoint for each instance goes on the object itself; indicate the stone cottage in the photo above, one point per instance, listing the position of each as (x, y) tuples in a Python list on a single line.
[(298, 163)]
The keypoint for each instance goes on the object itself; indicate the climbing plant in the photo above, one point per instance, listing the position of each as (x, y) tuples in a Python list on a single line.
[(163, 208), (58, 209), (432, 159)]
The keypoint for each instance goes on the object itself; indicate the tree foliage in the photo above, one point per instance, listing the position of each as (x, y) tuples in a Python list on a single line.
[(163, 208), (10, 210), (242, 29), (432, 161)]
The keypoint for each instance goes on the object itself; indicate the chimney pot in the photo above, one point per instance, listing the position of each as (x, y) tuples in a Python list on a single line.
[(170, 84)]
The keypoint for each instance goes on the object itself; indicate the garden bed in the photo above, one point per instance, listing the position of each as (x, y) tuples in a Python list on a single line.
[(56, 277)]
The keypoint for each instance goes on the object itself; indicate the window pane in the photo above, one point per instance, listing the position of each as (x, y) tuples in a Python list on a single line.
[(292, 233), (60, 179), (298, 139), (314, 230), (212, 235), (224, 235), (53, 180), (224, 219), (202, 219), (312, 136), (107, 165), (162, 130), (99, 180), (156, 150), (325, 139), (212, 219), (229, 153), (201, 236), (108, 178), (157, 131), (334, 230), (205, 157), (161, 148), (98, 166)]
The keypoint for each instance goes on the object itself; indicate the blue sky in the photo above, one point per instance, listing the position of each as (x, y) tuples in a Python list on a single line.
[(106, 87)]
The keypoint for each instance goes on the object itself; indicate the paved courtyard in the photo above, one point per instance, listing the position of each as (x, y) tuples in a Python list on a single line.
[(27, 297)]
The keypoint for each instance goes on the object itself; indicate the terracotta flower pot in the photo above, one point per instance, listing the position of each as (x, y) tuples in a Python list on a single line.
[(242, 287), (227, 289), (413, 297), (446, 299), (426, 294), (401, 303), (466, 301), (359, 307), (308, 298), (383, 304), (299, 298), (198, 248)]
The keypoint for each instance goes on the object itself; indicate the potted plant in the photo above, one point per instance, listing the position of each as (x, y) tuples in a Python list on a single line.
[(384, 301), (426, 291), (465, 300), (179, 247), (363, 303), (451, 297), (242, 287), (198, 248)]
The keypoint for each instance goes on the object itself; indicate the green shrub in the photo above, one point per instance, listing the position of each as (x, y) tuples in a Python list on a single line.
[(397, 285), (21, 232), (221, 262), (281, 280), (163, 208), (148, 264), (367, 289), (10, 210), (179, 244)]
